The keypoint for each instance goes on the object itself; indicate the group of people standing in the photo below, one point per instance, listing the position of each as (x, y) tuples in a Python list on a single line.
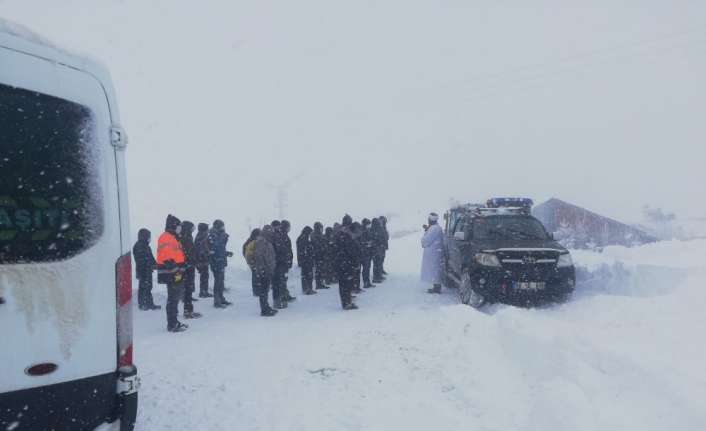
[(179, 257), (343, 254)]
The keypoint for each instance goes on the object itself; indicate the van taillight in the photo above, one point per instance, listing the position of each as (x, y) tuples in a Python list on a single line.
[(123, 284)]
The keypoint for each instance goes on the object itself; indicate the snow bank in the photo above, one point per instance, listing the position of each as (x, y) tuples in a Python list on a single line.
[(652, 269)]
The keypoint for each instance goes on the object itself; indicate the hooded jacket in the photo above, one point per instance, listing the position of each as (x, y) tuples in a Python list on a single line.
[(142, 253), (217, 242), (305, 249), (348, 255), (201, 250), (187, 242), (319, 241), (283, 250)]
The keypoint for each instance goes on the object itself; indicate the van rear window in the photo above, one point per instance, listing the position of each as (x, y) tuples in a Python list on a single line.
[(50, 201)]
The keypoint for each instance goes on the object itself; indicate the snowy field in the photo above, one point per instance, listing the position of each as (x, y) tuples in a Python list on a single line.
[(617, 357)]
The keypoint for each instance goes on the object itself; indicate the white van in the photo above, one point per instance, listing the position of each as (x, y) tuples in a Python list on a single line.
[(65, 267)]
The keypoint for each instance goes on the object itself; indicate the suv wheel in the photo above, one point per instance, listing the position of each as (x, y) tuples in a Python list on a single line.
[(467, 294)]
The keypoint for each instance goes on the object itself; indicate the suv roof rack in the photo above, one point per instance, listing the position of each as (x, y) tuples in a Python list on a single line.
[(498, 206)]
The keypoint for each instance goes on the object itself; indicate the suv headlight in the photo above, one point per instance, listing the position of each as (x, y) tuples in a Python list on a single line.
[(487, 259), (565, 261)]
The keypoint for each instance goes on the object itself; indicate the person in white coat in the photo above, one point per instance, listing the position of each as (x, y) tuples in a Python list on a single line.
[(433, 259)]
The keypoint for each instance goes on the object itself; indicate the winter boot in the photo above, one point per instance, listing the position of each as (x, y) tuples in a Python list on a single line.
[(154, 307), (350, 306), (191, 315), (268, 313), (179, 327), (205, 295)]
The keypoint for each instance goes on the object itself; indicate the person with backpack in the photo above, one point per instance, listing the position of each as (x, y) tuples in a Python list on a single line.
[(305, 260), (145, 264), (263, 265), (249, 255), (202, 255)]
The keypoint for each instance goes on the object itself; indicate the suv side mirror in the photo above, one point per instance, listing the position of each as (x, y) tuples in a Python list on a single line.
[(551, 236)]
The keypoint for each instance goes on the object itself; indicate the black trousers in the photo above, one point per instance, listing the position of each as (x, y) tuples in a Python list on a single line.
[(175, 292), (263, 289), (319, 273), (367, 263), (307, 278), (277, 281), (377, 265), (203, 279), (219, 283), (255, 282), (345, 285), (356, 279), (189, 288), (144, 291)]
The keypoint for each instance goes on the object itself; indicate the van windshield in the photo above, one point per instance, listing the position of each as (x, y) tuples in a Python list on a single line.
[(508, 227), (50, 201)]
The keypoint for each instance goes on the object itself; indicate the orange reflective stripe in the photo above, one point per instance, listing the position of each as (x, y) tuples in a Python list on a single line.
[(168, 248)]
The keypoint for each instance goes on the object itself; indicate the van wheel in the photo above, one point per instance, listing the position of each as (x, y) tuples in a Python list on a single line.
[(467, 294)]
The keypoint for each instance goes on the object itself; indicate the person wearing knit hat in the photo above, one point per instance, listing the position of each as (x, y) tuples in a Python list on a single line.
[(432, 261)]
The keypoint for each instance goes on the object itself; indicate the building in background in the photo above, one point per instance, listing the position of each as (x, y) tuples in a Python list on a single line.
[(576, 227)]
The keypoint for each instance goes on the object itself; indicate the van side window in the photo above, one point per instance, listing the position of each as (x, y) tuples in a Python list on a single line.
[(51, 206)]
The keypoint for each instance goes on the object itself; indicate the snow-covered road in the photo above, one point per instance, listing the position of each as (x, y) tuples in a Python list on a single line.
[(407, 360)]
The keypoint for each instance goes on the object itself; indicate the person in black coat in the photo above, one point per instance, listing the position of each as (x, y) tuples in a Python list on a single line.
[(356, 230), (386, 244), (319, 243), (284, 257), (202, 254), (330, 253), (218, 260), (144, 267), (377, 236), (187, 244), (347, 257), (306, 259), (366, 244)]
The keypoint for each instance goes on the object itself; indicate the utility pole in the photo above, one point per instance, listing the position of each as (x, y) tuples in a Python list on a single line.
[(282, 194)]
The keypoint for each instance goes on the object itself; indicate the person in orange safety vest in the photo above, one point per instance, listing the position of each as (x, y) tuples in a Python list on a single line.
[(171, 265)]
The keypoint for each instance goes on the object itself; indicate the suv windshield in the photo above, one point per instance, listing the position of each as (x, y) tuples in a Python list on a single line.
[(50, 203), (508, 227)]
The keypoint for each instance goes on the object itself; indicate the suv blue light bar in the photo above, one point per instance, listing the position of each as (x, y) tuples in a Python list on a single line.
[(510, 202)]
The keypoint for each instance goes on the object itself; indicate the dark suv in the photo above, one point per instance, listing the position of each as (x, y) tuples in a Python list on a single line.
[(498, 252)]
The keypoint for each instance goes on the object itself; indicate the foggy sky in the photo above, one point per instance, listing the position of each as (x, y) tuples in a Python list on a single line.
[(396, 106)]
